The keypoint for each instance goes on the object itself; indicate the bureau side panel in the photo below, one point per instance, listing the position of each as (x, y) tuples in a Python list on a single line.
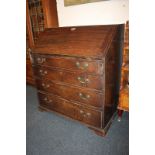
[(112, 76)]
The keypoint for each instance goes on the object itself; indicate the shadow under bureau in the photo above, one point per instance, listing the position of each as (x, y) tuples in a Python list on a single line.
[(77, 71)]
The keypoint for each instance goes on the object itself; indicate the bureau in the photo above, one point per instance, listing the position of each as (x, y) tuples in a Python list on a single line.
[(77, 71)]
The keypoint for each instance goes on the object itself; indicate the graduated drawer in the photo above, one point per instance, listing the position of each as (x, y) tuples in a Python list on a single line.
[(70, 63), (71, 109), (89, 116), (57, 104), (82, 95), (73, 78)]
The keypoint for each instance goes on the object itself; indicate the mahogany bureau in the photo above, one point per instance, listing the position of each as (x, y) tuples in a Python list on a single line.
[(77, 73)]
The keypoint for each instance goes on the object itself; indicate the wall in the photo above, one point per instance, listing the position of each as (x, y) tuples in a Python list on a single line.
[(97, 13)]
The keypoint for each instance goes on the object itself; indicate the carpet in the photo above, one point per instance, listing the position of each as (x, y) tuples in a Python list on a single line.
[(51, 134)]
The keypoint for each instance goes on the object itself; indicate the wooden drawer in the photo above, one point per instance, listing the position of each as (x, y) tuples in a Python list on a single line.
[(82, 95), (73, 78), (89, 116), (57, 104), (70, 63), (71, 109)]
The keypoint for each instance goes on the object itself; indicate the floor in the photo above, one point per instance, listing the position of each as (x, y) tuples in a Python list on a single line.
[(50, 134)]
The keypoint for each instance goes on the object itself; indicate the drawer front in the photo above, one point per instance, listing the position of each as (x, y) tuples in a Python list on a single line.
[(82, 95), (89, 116), (75, 111), (77, 64), (48, 73), (84, 80), (57, 104), (73, 78)]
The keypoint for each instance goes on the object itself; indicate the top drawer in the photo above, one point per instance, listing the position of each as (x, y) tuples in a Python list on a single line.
[(70, 63)]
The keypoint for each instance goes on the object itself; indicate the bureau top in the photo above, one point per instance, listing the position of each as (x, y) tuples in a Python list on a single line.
[(87, 41)]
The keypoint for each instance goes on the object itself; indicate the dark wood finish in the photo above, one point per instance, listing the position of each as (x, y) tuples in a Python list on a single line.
[(50, 13), (56, 103), (92, 53), (29, 27), (50, 20), (72, 93), (68, 108), (89, 116), (69, 77), (86, 45), (30, 43), (29, 73), (112, 75), (70, 63)]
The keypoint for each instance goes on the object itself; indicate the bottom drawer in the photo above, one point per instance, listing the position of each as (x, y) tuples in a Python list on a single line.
[(89, 116), (57, 104), (73, 110)]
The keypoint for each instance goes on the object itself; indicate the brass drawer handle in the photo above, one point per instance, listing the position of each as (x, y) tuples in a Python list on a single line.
[(81, 111), (42, 72), (41, 60), (84, 66), (83, 80), (47, 100), (84, 96), (45, 85), (85, 114), (88, 114)]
